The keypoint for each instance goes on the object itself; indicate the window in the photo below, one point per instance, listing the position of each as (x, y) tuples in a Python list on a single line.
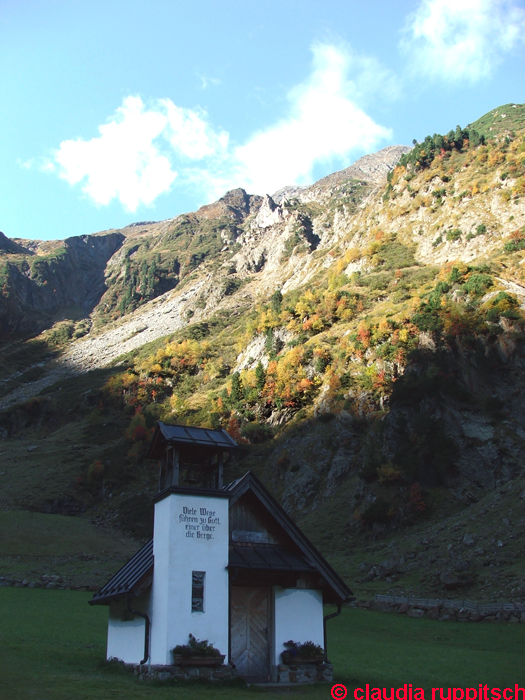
[(197, 591)]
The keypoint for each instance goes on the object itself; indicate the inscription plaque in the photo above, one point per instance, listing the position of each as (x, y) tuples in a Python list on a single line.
[(199, 523)]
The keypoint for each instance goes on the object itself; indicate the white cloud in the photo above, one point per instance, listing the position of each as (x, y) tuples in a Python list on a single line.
[(142, 151), (190, 135), (207, 81), (324, 124), (43, 164), (123, 162), (131, 160), (462, 40)]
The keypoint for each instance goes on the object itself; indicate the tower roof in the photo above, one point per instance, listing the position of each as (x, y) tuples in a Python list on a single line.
[(190, 439)]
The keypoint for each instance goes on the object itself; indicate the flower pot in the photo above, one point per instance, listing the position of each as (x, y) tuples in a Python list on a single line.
[(179, 660), (289, 658)]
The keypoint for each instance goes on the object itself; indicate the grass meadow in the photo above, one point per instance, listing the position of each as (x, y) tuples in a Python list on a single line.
[(53, 647)]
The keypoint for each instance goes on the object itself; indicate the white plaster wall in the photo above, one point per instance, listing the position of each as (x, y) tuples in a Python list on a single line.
[(180, 546), (160, 585), (298, 616), (126, 639)]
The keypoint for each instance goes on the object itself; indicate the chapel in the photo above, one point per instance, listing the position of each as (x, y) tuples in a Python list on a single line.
[(226, 564)]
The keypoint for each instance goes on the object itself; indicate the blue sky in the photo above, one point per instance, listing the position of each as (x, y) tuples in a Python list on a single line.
[(114, 112)]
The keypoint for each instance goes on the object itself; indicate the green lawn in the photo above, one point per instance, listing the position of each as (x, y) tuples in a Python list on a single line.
[(53, 644)]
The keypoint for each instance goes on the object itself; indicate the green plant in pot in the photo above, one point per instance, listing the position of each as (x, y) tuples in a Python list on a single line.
[(197, 652), (302, 653)]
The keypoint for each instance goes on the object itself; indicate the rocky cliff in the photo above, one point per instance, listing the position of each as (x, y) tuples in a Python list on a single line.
[(39, 286)]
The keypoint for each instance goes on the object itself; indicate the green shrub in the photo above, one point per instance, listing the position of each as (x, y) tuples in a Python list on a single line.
[(346, 380), (306, 650), (515, 245), (454, 234), (380, 511), (396, 255), (478, 284), (375, 281), (294, 244), (230, 286), (256, 433), (481, 230), (196, 647), (503, 302)]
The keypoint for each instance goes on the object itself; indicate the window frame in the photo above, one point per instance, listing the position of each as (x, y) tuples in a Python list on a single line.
[(198, 581)]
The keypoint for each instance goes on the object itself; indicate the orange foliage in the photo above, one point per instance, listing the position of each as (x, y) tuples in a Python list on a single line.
[(234, 429), (416, 498), (139, 433), (363, 334), (95, 471)]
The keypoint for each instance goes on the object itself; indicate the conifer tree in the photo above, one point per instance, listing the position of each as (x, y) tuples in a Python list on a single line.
[(260, 376)]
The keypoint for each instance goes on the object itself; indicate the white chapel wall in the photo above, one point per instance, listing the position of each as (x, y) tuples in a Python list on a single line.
[(191, 534), (126, 637), (298, 616), (160, 586)]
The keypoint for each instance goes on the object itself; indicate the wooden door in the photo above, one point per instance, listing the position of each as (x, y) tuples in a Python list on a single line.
[(249, 632)]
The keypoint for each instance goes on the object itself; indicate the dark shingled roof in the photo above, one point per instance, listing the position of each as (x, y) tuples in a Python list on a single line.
[(127, 581), (200, 436), (189, 436), (274, 558)]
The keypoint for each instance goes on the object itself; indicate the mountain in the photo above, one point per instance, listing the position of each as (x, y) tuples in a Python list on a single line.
[(43, 280), (362, 337)]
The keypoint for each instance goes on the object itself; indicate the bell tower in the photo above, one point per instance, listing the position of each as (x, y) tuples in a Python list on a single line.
[(190, 539), (189, 456)]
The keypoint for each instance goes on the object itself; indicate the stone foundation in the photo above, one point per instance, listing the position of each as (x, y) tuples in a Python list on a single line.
[(305, 673), (184, 673), (283, 673)]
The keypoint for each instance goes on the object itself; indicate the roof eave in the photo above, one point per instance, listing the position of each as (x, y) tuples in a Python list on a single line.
[(107, 600), (190, 491)]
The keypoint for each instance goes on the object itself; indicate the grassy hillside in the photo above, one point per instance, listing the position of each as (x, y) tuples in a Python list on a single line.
[(503, 120), (71, 549)]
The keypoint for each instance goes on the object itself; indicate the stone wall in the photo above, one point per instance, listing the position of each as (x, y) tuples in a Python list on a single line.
[(292, 673), (305, 673), (45, 582), (443, 609), (184, 673)]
